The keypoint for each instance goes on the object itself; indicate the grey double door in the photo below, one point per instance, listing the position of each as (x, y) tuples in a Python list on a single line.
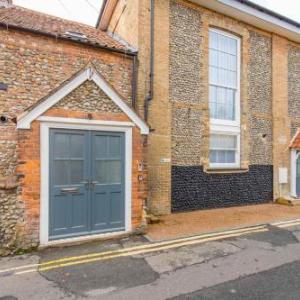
[(87, 171)]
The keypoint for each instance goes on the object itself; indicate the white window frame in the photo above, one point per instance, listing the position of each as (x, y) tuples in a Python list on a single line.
[(228, 127), (221, 130)]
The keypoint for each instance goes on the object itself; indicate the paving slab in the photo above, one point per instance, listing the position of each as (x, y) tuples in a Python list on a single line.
[(186, 256)]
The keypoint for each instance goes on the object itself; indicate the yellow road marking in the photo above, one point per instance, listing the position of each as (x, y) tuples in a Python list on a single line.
[(289, 225), (285, 222), (127, 250), (141, 251)]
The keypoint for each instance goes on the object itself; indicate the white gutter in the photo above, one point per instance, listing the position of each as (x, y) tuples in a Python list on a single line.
[(253, 16)]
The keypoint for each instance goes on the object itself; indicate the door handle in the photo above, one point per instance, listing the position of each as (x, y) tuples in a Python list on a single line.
[(86, 183), (93, 183)]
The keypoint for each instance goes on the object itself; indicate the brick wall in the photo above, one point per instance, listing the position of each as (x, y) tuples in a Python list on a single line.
[(32, 66)]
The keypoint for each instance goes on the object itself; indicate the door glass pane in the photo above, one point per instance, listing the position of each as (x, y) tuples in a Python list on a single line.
[(115, 171), (114, 146), (101, 171), (61, 145), (61, 172), (77, 142), (76, 171), (100, 142)]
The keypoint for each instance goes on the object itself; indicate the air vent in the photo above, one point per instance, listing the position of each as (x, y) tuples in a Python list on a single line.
[(75, 35)]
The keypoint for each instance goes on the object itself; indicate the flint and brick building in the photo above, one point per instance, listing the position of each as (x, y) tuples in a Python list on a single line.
[(69, 134), (224, 106), (170, 104)]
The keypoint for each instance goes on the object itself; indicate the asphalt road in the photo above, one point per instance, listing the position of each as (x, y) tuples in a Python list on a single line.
[(261, 264), (276, 284)]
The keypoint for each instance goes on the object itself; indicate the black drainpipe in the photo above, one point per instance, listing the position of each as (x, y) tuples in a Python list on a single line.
[(149, 96), (134, 80)]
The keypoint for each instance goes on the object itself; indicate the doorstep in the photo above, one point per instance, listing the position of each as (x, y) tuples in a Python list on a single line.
[(198, 222)]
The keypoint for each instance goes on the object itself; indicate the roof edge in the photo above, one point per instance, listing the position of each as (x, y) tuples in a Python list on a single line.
[(255, 15), (63, 38), (270, 12), (106, 12)]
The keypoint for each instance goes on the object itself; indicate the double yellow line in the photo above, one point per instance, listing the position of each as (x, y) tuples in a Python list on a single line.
[(142, 249)]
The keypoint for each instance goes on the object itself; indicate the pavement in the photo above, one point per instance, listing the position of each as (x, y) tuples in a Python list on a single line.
[(191, 223), (257, 262)]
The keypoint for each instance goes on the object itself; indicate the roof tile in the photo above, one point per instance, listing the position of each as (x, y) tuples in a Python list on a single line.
[(37, 21), (295, 143)]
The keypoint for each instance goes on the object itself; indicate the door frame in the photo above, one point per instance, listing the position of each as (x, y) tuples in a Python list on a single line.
[(47, 123)]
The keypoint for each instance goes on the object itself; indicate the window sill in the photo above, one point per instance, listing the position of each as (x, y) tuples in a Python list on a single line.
[(226, 170)]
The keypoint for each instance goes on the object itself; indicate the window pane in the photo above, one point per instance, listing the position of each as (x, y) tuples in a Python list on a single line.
[(231, 79), (232, 46), (223, 76), (213, 75), (223, 43), (213, 58), (213, 157), (222, 103), (230, 157), (223, 60), (232, 63), (223, 142), (222, 157), (213, 40)]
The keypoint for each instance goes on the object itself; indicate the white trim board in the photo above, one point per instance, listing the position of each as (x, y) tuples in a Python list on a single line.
[(44, 172), (260, 19), (88, 74)]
